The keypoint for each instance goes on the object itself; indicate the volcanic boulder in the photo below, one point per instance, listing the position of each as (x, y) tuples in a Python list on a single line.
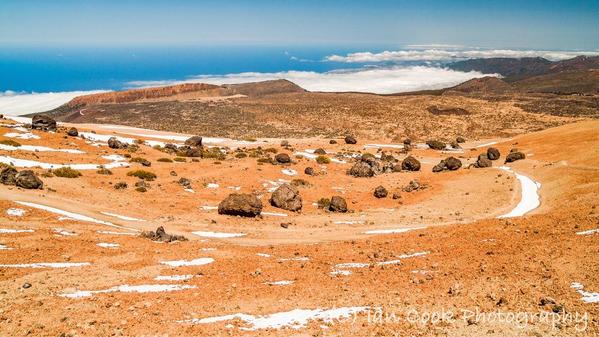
[(286, 197), (493, 153), (161, 235), (43, 122), (309, 171), (514, 155), (350, 140), (483, 161), (283, 158), (435, 145), (8, 176), (380, 192), (28, 180), (460, 140), (194, 141), (361, 169), (452, 163), (320, 151), (338, 204), (73, 132), (247, 205), (410, 164), (114, 143)]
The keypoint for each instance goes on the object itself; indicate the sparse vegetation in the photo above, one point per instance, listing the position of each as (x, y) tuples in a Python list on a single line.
[(66, 172), (142, 174), (180, 159), (323, 203), (271, 150), (323, 160), (104, 171), (240, 155), (299, 182), (141, 160), (164, 160), (121, 185)]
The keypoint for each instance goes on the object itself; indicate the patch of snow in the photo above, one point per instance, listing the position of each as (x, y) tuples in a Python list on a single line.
[(27, 135), (71, 215), (36, 149), (145, 288), (15, 211), (340, 273), (589, 232), (108, 245), (33, 163), (122, 217), (182, 263), (314, 156), (273, 214), (351, 265), (212, 185), (376, 146), (486, 144), (289, 172), (3, 247), (190, 190), (208, 249), (349, 222), (280, 283), (263, 254), (529, 195), (587, 297), (392, 231), (209, 208), (235, 188), (294, 319), (47, 265), (173, 277), (64, 232), (14, 231), (115, 233), (303, 258), (218, 235)]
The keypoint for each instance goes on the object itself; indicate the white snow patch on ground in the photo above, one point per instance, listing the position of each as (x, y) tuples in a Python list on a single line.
[(190, 190), (14, 231), (208, 208), (144, 288), (122, 217), (273, 214), (587, 297), (589, 232), (115, 233), (63, 232), (530, 195), (349, 222), (340, 273), (289, 172), (37, 149), (173, 277), (401, 257), (182, 263), (263, 255), (15, 211), (376, 146), (3, 247), (108, 245), (351, 265), (392, 231), (302, 258), (212, 185), (71, 215), (340, 269), (486, 144), (294, 319), (26, 135), (33, 163), (218, 235), (207, 249), (280, 283), (47, 265)]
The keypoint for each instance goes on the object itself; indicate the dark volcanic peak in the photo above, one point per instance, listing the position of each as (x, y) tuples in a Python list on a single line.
[(484, 85), (256, 89), (512, 69)]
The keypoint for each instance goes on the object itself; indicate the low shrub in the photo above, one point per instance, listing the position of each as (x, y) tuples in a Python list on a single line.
[(164, 160), (142, 174), (66, 172), (10, 142), (121, 185), (323, 160), (180, 159), (104, 171)]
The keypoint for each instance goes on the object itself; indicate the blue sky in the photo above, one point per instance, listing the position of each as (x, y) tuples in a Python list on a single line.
[(508, 24)]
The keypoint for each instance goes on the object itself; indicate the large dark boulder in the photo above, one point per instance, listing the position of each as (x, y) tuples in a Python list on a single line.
[(380, 192), (338, 204), (483, 161), (513, 156), (435, 145), (452, 163), (8, 176), (240, 204), (114, 143), (309, 171), (410, 164), (73, 132), (286, 197), (161, 235), (28, 180), (43, 122), (439, 167), (283, 158), (493, 153), (194, 141), (350, 140), (361, 169), (460, 140)]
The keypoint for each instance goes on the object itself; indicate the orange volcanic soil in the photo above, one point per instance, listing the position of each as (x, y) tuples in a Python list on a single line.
[(457, 256)]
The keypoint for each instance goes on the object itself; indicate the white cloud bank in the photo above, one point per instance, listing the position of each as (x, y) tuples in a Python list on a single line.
[(444, 54), (379, 80), (16, 104)]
